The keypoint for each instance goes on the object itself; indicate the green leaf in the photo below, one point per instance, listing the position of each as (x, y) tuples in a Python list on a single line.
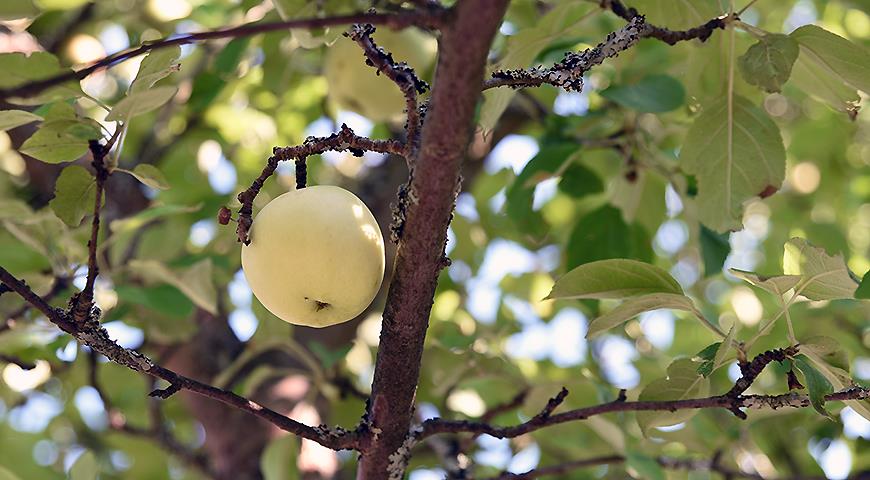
[(17, 69), (15, 9), (768, 63), (62, 137), (823, 277), (10, 119), (777, 284), (578, 181), (634, 306), (863, 291), (839, 379), (85, 468), (195, 282), (644, 466), (7, 475), (164, 299), (652, 94), (734, 160), (140, 102), (705, 357), (564, 20), (836, 55), (615, 278), (149, 175), (519, 197), (156, 66), (682, 382), (74, 195), (823, 85), (816, 383), (714, 250), (602, 234), (278, 461), (725, 347)]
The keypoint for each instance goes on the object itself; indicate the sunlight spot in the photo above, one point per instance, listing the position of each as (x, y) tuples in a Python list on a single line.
[(805, 177), (467, 402), (20, 380), (746, 306)]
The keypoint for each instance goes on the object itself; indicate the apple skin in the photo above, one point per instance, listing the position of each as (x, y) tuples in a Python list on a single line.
[(357, 87), (316, 256)]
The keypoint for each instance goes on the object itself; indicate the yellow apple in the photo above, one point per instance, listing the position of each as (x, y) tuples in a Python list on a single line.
[(316, 256), (355, 86)]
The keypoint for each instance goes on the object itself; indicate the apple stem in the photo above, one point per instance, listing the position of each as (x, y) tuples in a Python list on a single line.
[(301, 173)]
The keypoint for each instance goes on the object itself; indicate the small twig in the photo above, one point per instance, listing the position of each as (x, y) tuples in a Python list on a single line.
[(671, 37), (429, 18), (401, 74), (345, 139), (301, 173)]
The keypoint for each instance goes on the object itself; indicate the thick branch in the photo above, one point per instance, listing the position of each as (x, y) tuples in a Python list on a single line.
[(430, 18), (431, 194), (92, 334), (345, 139)]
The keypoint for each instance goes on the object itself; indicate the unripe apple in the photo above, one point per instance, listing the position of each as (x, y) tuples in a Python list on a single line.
[(355, 86), (316, 256)]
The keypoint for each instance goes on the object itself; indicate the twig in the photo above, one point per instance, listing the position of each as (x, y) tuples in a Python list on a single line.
[(345, 139), (401, 74), (430, 19), (92, 334), (671, 37), (733, 400)]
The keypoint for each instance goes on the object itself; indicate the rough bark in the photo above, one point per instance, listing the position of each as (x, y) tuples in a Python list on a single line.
[(462, 56)]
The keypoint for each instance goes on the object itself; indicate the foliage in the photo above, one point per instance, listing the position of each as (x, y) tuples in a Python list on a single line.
[(695, 206)]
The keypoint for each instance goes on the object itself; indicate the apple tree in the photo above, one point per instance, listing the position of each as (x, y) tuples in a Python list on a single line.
[(578, 239)]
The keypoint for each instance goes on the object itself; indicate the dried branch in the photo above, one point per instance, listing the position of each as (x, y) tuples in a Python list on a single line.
[(401, 74), (733, 401), (92, 334), (430, 18), (344, 140), (568, 73), (671, 37)]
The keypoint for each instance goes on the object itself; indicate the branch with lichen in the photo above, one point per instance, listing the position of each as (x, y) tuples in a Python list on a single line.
[(733, 401), (92, 334)]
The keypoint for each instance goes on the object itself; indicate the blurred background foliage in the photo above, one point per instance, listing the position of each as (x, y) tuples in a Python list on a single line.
[(561, 179)]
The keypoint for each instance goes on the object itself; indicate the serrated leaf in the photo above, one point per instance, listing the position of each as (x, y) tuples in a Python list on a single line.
[(74, 195), (817, 385), (564, 20), (633, 307), (652, 94), (62, 137), (602, 234), (149, 175), (836, 55), (715, 248), (682, 382), (768, 63), (278, 460), (10, 119), (157, 65), (644, 467), (18, 68), (140, 102), (777, 284), (863, 291), (195, 282), (15, 9), (85, 468), (615, 279), (824, 277), (734, 160), (823, 85)]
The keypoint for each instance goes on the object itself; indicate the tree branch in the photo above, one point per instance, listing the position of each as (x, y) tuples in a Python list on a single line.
[(344, 140), (671, 37), (430, 18), (733, 400), (401, 74), (92, 334), (431, 194)]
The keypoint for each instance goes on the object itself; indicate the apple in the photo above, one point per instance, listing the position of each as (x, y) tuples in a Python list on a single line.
[(357, 87), (316, 256)]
